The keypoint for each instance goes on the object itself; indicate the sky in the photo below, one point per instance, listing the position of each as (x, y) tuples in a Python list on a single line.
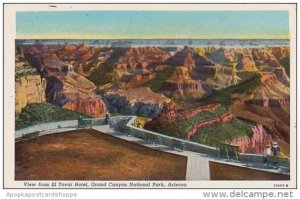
[(153, 25)]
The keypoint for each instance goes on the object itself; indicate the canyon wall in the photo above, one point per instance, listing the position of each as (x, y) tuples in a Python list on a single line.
[(140, 101), (76, 93), (182, 114), (254, 144), (181, 83), (93, 107), (29, 89)]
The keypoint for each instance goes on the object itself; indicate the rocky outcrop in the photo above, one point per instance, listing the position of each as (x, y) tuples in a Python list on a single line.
[(34, 56), (93, 107), (181, 83), (219, 119), (139, 101), (29, 89), (269, 56), (170, 114), (52, 65), (280, 52), (222, 56), (245, 60), (220, 77), (182, 58), (76, 93), (270, 93), (282, 76), (141, 58), (254, 144)]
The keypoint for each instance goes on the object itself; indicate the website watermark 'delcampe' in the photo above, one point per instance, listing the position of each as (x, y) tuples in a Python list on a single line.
[(248, 194)]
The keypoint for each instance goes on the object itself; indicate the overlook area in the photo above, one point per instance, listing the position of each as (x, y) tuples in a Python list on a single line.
[(88, 154)]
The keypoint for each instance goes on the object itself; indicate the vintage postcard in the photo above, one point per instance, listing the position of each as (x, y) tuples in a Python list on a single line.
[(149, 96)]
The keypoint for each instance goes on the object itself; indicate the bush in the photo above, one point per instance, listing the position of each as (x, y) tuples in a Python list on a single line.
[(152, 138), (34, 114), (123, 128), (25, 73), (31, 135), (214, 134)]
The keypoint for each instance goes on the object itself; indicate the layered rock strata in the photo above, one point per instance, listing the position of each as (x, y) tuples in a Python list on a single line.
[(139, 101)]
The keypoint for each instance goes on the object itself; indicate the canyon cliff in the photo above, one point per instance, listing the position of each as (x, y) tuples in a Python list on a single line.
[(29, 89), (180, 83), (76, 93), (139, 101), (254, 144)]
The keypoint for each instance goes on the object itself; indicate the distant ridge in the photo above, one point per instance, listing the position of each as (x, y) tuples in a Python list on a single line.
[(225, 43)]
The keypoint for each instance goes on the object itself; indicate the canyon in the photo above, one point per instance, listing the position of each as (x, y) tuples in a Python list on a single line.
[(131, 102), (196, 87)]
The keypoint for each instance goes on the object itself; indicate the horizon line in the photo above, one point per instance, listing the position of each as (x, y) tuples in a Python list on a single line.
[(152, 39)]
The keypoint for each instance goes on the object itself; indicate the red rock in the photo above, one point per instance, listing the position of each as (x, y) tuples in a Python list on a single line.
[(180, 82), (182, 58), (94, 107), (254, 144), (141, 57), (270, 93), (226, 117), (170, 114)]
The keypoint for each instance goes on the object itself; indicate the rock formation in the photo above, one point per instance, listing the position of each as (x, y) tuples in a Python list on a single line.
[(269, 56), (173, 114), (270, 92), (254, 144), (182, 58), (139, 101), (76, 93), (222, 78), (93, 106), (181, 83), (29, 89), (141, 58)]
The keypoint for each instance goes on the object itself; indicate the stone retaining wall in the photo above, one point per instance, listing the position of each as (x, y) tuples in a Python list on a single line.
[(128, 121), (46, 127), (170, 141)]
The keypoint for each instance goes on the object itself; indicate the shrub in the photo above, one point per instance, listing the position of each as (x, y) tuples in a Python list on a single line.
[(123, 128), (34, 114)]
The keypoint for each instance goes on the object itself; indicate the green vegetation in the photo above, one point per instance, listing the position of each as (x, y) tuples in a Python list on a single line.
[(156, 83), (245, 75), (211, 135), (214, 134), (230, 150), (225, 96), (152, 138), (285, 62), (181, 128), (25, 73), (86, 123), (31, 135), (44, 112), (123, 128), (98, 76)]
